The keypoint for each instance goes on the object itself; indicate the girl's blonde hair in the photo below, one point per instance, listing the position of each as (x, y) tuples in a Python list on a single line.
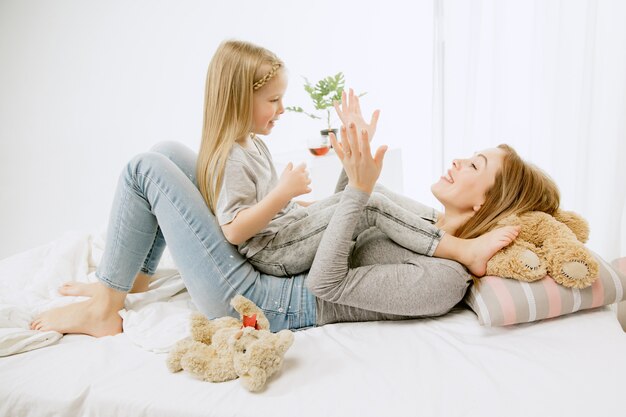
[(519, 187), (236, 71)]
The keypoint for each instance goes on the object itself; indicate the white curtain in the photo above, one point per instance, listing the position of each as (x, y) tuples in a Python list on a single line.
[(549, 78)]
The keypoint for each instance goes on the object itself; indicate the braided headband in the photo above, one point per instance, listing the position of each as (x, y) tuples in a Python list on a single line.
[(265, 79)]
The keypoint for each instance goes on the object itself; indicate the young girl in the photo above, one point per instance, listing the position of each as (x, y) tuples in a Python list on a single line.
[(255, 209)]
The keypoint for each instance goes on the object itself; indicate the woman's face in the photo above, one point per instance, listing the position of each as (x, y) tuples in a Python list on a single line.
[(462, 188)]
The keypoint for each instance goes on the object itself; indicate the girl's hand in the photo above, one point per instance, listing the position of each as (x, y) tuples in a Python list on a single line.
[(356, 157), (350, 112), (294, 181)]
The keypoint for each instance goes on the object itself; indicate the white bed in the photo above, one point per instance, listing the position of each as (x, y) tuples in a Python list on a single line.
[(449, 366)]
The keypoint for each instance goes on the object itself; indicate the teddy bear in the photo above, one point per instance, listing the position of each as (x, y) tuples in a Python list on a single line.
[(547, 245), (227, 348)]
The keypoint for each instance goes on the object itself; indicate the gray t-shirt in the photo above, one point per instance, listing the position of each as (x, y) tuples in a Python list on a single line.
[(249, 176)]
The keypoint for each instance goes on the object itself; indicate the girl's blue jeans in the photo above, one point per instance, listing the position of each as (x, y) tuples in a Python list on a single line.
[(157, 201)]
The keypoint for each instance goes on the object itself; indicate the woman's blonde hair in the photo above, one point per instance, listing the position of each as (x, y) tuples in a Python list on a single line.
[(236, 71), (519, 187)]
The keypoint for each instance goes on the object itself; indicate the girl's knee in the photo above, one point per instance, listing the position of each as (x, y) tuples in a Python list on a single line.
[(167, 148), (145, 162)]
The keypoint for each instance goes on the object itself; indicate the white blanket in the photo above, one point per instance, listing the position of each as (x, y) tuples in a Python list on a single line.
[(29, 284), (446, 366)]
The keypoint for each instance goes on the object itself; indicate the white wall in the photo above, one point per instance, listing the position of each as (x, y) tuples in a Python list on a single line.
[(85, 85), (547, 77)]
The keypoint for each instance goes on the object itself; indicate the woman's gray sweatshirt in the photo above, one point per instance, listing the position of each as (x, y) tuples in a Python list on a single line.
[(375, 278)]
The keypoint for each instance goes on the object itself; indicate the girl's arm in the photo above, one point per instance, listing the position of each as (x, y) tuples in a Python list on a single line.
[(250, 221)]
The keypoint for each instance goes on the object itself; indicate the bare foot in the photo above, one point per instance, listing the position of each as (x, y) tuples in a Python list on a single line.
[(481, 249), (73, 288), (83, 317), (87, 289), (98, 316), (141, 284), (87, 317)]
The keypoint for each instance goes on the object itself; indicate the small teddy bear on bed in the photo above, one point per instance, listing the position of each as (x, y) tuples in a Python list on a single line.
[(547, 245), (227, 348)]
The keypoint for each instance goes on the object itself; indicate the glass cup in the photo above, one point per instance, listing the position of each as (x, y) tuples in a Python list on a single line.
[(319, 145)]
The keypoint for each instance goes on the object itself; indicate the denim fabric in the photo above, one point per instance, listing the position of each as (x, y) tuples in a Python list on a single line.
[(185, 159), (287, 303), (157, 201), (406, 222)]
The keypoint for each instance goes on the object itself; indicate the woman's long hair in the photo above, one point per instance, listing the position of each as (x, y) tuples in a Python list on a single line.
[(234, 73), (519, 187)]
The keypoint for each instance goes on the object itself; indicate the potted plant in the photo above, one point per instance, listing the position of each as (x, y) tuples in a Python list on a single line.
[(323, 94)]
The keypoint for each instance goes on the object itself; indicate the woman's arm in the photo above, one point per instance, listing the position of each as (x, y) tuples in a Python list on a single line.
[(342, 182), (349, 111), (420, 286)]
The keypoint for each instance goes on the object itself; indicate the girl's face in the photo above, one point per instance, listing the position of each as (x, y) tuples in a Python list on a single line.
[(267, 104), (463, 187)]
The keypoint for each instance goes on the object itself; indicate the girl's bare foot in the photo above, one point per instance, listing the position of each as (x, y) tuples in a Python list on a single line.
[(141, 284), (73, 288), (86, 289), (481, 249), (97, 316), (84, 317)]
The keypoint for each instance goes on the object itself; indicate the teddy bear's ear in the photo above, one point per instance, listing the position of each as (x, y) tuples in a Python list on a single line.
[(245, 307), (575, 222)]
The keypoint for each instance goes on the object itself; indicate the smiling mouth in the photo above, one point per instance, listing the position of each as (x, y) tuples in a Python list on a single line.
[(448, 177)]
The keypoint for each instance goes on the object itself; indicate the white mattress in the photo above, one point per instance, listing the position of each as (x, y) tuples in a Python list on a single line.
[(448, 366)]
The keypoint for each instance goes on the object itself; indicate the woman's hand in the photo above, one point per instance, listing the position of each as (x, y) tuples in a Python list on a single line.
[(356, 157), (350, 112)]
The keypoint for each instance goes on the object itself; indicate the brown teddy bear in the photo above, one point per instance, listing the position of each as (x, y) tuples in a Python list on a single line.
[(547, 245), (227, 348)]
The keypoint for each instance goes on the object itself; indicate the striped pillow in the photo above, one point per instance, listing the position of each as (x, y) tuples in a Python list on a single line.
[(501, 301)]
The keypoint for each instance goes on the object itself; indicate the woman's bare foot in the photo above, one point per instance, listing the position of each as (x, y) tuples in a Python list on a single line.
[(481, 249), (475, 253), (97, 316), (86, 289)]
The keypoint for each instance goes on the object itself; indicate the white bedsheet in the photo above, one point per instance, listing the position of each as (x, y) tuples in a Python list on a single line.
[(29, 284), (449, 366)]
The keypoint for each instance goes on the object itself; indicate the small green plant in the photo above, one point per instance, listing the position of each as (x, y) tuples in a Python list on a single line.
[(324, 93)]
